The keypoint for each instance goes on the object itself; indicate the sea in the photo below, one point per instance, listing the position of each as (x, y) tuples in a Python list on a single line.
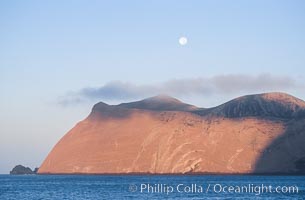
[(76, 187)]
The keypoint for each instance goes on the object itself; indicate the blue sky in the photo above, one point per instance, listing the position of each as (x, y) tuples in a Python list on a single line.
[(51, 51)]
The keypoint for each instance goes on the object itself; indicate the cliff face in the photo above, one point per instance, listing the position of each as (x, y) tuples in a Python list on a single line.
[(262, 133)]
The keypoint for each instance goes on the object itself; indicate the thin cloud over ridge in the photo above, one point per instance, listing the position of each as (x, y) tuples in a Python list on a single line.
[(203, 86)]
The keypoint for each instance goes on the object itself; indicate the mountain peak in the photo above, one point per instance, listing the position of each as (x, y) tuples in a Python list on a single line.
[(275, 105), (283, 98), (159, 103), (162, 98)]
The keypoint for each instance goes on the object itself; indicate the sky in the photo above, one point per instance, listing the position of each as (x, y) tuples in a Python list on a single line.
[(59, 58)]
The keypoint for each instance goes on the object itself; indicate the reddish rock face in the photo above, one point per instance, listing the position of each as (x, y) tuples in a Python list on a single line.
[(262, 133)]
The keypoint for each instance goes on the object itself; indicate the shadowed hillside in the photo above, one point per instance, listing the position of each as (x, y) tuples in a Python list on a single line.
[(286, 153), (267, 105)]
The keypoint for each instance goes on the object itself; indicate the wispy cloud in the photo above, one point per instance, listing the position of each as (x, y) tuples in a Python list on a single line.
[(203, 86)]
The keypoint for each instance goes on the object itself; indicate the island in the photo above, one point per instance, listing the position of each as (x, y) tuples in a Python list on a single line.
[(252, 134), (22, 170)]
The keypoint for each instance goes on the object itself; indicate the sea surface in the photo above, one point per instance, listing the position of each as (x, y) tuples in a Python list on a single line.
[(97, 187)]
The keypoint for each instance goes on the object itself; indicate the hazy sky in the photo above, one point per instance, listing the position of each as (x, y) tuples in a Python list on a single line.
[(58, 58)]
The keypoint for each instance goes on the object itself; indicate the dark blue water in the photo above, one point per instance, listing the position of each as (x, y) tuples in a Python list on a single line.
[(77, 187)]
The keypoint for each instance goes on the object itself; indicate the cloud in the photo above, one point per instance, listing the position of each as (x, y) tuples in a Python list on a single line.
[(203, 86)]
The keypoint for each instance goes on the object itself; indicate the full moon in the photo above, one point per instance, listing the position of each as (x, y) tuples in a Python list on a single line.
[(182, 41)]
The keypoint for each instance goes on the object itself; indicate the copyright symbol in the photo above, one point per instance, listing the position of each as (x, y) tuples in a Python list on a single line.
[(132, 188)]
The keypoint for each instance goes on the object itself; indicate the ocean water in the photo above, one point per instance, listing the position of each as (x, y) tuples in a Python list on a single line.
[(76, 187)]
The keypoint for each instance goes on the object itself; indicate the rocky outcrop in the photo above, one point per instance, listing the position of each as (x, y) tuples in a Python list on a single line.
[(262, 133), (21, 170)]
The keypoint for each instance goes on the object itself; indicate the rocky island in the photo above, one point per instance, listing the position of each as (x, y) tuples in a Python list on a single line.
[(22, 170), (261, 133)]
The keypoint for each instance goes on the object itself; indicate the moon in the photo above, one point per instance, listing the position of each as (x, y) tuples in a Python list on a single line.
[(182, 41)]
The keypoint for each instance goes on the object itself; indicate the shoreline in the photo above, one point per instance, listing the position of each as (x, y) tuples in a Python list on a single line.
[(175, 174)]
